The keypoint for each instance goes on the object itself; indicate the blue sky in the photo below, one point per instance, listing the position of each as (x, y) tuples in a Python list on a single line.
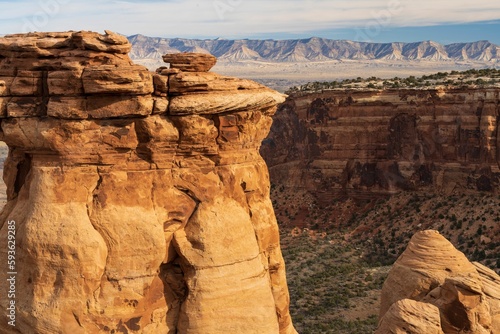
[(363, 20)]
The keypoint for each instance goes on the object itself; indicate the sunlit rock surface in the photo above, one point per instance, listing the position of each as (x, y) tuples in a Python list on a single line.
[(433, 281), (364, 143), (140, 199)]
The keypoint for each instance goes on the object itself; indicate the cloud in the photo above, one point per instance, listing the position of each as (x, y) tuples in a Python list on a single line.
[(235, 18)]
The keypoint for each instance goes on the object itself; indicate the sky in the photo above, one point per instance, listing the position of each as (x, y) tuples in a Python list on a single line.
[(443, 21)]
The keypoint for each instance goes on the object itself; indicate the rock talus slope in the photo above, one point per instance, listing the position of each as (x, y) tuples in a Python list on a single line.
[(140, 199), (433, 288)]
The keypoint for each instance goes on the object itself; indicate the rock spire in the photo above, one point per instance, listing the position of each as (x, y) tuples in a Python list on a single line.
[(141, 203)]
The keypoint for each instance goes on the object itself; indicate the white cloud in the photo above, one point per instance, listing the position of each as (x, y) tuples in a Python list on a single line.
[(234, 18)]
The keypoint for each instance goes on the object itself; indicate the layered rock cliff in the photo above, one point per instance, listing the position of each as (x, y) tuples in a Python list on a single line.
[(359, 143), (433, 288), (140, 201)]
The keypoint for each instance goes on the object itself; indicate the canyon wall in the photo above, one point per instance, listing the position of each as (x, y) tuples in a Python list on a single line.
[(364, 143), (139, 200)]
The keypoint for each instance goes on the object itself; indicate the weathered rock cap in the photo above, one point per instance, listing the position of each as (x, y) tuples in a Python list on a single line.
[(50, 44), (190, 61)]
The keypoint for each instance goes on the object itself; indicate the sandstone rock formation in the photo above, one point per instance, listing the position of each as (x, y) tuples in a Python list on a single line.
[(190, 62), (141, 201), (407, 316), (364, 143), (433, 284)]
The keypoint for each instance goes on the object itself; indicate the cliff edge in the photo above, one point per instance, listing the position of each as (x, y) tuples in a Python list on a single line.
[(139, 200), (366, 143)]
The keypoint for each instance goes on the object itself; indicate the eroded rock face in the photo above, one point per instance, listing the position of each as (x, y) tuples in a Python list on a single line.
[(433, 281), (141, 201), (407, 316), (362, 144), (190, 62)]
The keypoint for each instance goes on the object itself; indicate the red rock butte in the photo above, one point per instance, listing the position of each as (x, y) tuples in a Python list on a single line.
[(140, 199)]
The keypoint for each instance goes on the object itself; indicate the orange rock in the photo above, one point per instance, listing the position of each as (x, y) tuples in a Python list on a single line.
[(136, 210), (111, 79), (190, 62), (410, 317), (366, 143), (432, 271), (196, 82)]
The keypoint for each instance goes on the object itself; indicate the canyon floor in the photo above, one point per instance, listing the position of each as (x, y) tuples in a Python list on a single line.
[(338, 257), (332, 288)]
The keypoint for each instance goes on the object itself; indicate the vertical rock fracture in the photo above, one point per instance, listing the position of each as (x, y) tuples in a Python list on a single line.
[(140, 199)]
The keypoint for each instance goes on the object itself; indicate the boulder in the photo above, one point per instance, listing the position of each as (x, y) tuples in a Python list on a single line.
[(407, 316), (431, 271), (190, 61)]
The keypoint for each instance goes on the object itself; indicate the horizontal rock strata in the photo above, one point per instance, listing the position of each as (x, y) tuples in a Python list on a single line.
[(190, 62), (140, 199), (365, 143)]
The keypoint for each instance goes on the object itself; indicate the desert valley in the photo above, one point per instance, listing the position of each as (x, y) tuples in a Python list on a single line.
[(284, 64)]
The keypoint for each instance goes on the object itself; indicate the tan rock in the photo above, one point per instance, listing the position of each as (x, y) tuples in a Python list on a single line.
[(27, 83), (158, 140), (99, 106), (168, 71), (111, 79), (90, 141), (237, 257), (491, 289), (3, 88), (25, 46), (67, 107), (131, 219), (65, 83), (160, 105), (107, 107), (197, 134), (161, 84), (25, 106), (408, 316), (189, 82), (190, 62), (460, 300), (45, 44), (219, 102), (432, 271), (3, 106), (425, 264), (110, 42)]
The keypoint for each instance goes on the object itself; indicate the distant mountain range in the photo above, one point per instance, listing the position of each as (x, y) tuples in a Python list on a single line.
[(313, 49)]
